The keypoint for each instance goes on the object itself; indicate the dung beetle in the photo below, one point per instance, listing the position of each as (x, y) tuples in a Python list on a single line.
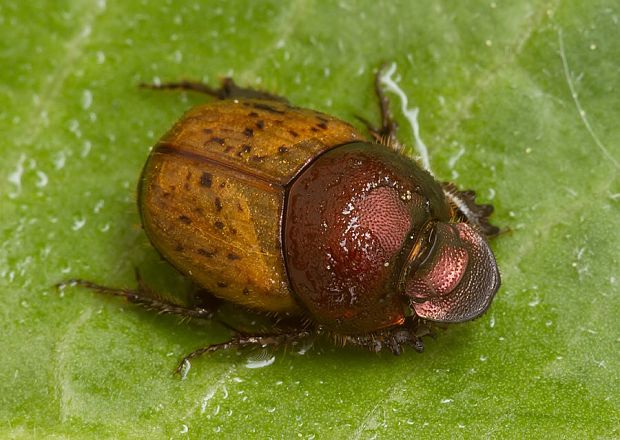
[(295, 215)]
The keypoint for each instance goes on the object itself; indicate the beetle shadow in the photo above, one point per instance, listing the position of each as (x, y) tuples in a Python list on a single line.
[(184, 336)]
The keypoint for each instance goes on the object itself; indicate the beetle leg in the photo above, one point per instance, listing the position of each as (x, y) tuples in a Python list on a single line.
[(228, 90), (465, 204), (392, 339), (375, 132), (240, 341), (389, 127), (193, 86), (145, 297), (386, 134)]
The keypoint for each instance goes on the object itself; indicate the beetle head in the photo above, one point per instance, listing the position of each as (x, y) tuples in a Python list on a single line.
[(451, 275)]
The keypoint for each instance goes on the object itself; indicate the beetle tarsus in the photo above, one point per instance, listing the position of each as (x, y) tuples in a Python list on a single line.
[(386, 133), (143, 296), (193, 86), (389, 127), (209, 349), (228, 90), (239, 341)]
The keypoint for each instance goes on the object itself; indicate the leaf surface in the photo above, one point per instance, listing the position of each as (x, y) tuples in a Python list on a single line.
[(518, 100)]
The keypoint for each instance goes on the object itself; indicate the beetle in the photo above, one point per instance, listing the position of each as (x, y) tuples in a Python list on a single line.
[(296, 215)]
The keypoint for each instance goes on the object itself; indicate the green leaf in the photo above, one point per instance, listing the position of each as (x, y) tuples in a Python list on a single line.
[(518, 100)]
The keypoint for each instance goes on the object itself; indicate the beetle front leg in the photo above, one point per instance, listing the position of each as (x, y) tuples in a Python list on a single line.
[(228, 90), (473, 213), (393, 339)]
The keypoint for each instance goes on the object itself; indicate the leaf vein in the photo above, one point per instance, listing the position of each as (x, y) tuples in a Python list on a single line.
[(51, 89), (580, 111)]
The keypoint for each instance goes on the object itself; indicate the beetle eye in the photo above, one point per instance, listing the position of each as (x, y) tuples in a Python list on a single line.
[(457, 278)]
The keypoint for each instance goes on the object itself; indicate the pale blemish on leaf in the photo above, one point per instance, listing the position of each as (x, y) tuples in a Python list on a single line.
[(411, 113)]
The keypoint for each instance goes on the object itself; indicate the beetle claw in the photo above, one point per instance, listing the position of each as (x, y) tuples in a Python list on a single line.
[(418, 345)]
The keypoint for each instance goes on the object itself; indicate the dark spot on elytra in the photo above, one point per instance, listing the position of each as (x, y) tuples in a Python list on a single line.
[(266, 107), (188, 176), (217, 140), (186, 186), (222, 185), (198, 210), (246, 291), (206, 180), (166, 194), (248, 132), (260, 124), (207, 130), (185, 219), (239, 207), (218, 204), (221, 284), (253, 115), (178, 248), (228, 149), (282, 149), (278, 121), (314, 129), (293, 133), (322, 125), (218, 224), (257, 158), (206, 252), (233, 231), (233, 256), (244, 149)]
